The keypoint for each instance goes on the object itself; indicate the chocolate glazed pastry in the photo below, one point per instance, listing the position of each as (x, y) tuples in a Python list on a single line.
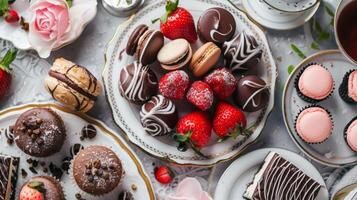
[(242, 53), (216, 25), (72, 85), (252, 93), (39, 132), (145, 44), (137, 83)]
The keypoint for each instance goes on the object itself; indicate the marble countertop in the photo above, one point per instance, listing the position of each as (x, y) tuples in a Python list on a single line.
[(89, 50)]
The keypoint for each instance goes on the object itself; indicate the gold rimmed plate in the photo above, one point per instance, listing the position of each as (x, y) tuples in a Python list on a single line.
[(126, 115), (135, 179)]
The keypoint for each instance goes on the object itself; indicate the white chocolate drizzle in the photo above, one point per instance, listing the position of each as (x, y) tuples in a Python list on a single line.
[(258, 86), (216, 26)]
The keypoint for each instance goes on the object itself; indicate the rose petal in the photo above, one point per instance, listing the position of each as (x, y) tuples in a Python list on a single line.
[(189, 187)]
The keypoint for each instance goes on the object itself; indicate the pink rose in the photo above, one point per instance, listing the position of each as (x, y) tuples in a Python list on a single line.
[(49, 23), (189, 189)]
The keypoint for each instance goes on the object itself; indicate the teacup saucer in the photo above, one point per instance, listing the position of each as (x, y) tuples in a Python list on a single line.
[(271, 18), (292, 5)]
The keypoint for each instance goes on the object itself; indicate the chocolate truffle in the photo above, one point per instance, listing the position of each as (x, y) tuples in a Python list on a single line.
[(242, 53), (216, 25), (49, 187), (8, 177), (72, 85), (145, 44), (137, 83), (159, 116), (97, 170), (252, 93), (39, 132)]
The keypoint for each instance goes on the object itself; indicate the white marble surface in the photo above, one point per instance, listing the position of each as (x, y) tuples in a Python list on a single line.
[(89, 50)]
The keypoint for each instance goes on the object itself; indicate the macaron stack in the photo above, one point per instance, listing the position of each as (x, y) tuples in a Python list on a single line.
[(314, 123), (182, 70)]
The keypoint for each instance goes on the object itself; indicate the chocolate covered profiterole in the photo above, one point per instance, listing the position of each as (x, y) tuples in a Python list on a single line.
[(216, 25), (39, 132), (72, 85)]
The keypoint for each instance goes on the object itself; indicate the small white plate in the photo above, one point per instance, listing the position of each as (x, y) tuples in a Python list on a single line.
[(334, 151), (126, 115), (240, 173), (135, 174), (291, 5), (275, 19)]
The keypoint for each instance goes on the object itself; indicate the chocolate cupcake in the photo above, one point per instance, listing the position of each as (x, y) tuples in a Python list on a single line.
[(350, 134), (314, 124), (348, 87), (216, 25), (42, 187), (314, 83), (72, 85), (97, 170), (137, 83), (252, 93), (242, 53), (159, 116), (39, 132)]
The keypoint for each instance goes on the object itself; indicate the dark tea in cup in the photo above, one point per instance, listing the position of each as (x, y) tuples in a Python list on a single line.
[(346, 28)]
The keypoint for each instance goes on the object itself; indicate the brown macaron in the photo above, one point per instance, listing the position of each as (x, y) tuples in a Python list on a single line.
[(72, 85), (39, 132), (97, 170), (145, 44), (204, 59)]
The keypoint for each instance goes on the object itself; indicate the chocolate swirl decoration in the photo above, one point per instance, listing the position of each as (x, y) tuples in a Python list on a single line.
[(280, 179), (8, 176), (214, 32), (158, 116), (241, 50), (137, 83), (259, 88)]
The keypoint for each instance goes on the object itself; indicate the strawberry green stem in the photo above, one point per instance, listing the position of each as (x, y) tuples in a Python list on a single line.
[(4, 6), (8, 59), (170, 7)]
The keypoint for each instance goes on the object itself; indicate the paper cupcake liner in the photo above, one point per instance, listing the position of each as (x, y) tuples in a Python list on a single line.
[(310, 106), (345, 131), (343, 89), (87, 195), (301, 95)]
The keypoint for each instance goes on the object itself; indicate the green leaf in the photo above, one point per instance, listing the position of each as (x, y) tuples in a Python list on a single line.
[(329, 11), (4, 5), (69, 3), (129, 1), (181, 138), (323, 36), (8, 58), (291, 69), (297, 51), (315, 46)]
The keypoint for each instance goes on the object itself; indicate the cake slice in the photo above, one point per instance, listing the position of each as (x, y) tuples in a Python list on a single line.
[(280, 179), (8, 176)]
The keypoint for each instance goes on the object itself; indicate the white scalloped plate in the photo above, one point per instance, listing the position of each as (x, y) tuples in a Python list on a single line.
[(126, 115), (135, 174), (234, 181), (19, 37)]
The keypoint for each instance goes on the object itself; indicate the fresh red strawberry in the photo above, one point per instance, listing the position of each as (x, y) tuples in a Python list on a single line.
[(11, 16), (201, 95), (174, 84), (228, 121), (33, 191), (163, 175), (222, 82), (177, 22), (194, 128), (5, 76)]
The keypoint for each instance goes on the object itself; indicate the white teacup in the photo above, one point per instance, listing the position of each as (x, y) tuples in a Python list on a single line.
[(291, 6)]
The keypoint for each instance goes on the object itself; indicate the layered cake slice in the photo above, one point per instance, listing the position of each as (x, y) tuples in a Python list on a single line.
[(280, 179), (8, 176)]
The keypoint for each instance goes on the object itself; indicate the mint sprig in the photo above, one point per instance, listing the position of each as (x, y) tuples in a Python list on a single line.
[(297, 51)]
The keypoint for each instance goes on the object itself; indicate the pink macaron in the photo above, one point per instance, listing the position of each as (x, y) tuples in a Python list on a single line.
[(351, 134), (315, 83), (314, 125)]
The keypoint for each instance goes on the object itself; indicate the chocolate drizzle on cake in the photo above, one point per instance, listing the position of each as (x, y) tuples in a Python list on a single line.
[(280, 179), (8, 176)]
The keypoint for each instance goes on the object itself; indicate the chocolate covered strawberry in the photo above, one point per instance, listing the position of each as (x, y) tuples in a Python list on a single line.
[(222, 82), (228, 121), (177, 22), (5, 76), (194, 129), (33, 191), (163, 175)]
